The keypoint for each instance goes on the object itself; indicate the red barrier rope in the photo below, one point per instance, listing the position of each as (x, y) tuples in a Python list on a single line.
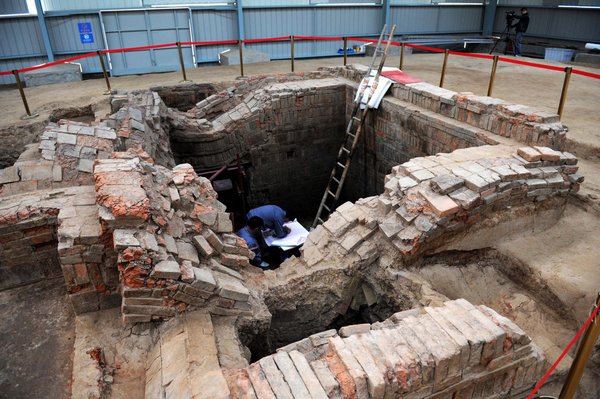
[(585, 73), (267, 39), (564, 353), (532, 64), (139, 48), (209, 43), (321, 38), (49, 64)]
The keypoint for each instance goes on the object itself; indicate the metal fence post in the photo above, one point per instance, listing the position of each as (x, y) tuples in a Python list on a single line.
[(345, 50), (444, 67), (292, 51), (563, 94), (240, 43), (492, 76), (20, 86), (103, 65), (401, 56), (181, 61)]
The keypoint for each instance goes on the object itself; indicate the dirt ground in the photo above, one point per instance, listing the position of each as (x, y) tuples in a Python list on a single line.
[(37, 333)]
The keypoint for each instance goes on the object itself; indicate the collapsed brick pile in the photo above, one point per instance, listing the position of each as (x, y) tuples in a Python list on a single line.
[(173, 239), (457, 350)]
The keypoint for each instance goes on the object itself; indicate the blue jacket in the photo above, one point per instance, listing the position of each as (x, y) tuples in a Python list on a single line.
[(252, 243), (273, 217)]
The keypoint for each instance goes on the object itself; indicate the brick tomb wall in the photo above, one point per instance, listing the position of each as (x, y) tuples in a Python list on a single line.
[(289, 132), (28, 246)]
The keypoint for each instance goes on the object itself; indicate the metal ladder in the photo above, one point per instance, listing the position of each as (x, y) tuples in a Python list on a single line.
[(353, 131)]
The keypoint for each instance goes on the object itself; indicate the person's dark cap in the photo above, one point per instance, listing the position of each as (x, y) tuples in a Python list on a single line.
[(255, 222), (523, 9)]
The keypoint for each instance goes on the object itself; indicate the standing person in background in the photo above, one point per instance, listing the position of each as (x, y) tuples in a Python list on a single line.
[(273, 218), (521, 28)]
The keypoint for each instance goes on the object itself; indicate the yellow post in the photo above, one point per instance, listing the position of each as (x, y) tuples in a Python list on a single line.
[(240, 43), (563, 94), (492, 76), (444, 67), (345, 50), (181, 61), (22, 92), (581, 358), (292, 51), (401, 56), (104, 72)]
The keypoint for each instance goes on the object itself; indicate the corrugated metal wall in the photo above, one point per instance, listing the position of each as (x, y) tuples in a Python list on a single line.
[(432, 20), (21, 41), (13, 7), (563, 23)]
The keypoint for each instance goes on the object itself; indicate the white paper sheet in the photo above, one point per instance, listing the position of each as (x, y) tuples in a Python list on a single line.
[(296, 237)]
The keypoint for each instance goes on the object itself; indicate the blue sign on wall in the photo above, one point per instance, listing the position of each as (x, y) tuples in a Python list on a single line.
[(85, 32), (85, 27), (86, 38)]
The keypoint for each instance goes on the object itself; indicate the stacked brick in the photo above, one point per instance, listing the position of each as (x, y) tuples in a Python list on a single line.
[(428, 200), (59, 229), (27, 231), (278, 128), (64, 157), (183, 362), (457, 350), (138, 119), (172, 238), (524, 124)]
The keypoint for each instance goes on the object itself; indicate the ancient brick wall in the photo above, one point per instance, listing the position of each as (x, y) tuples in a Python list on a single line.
[(456, 350), (25, 236), (288, 132)]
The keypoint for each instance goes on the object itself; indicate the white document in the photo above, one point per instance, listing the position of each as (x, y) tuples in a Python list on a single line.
[(370, 96), (296, 237)]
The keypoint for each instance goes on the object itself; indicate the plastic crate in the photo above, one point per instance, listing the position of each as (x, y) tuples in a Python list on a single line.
[(558, 54)]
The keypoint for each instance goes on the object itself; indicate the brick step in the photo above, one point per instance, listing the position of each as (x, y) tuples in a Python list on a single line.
[(183, 362)]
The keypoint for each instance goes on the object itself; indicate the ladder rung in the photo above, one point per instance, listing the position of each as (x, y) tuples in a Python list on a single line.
[(346, 150), (326, 207), (335, 180), (330, 193), (341, 165), (356, 118), (320, 220), (351, 135)]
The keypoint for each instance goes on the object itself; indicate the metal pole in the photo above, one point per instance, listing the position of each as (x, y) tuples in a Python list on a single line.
[(563, 94), (108, 89), (345, 50), (292, 51), (492, 76), (20, 86), (181, 61), (240, 43), (401, 56), (444, 67), (581, 358)]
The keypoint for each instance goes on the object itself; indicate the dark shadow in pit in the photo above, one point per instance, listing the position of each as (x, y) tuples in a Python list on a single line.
[(307, 308)]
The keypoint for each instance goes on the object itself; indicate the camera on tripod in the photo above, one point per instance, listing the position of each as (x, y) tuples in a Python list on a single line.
[(510, 17)]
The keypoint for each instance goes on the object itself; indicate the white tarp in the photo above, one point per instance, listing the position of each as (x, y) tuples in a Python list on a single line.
[(296, 237), (366, 87)]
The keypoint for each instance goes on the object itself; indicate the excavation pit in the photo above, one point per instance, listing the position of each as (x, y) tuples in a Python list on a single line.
[(165, 252)]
